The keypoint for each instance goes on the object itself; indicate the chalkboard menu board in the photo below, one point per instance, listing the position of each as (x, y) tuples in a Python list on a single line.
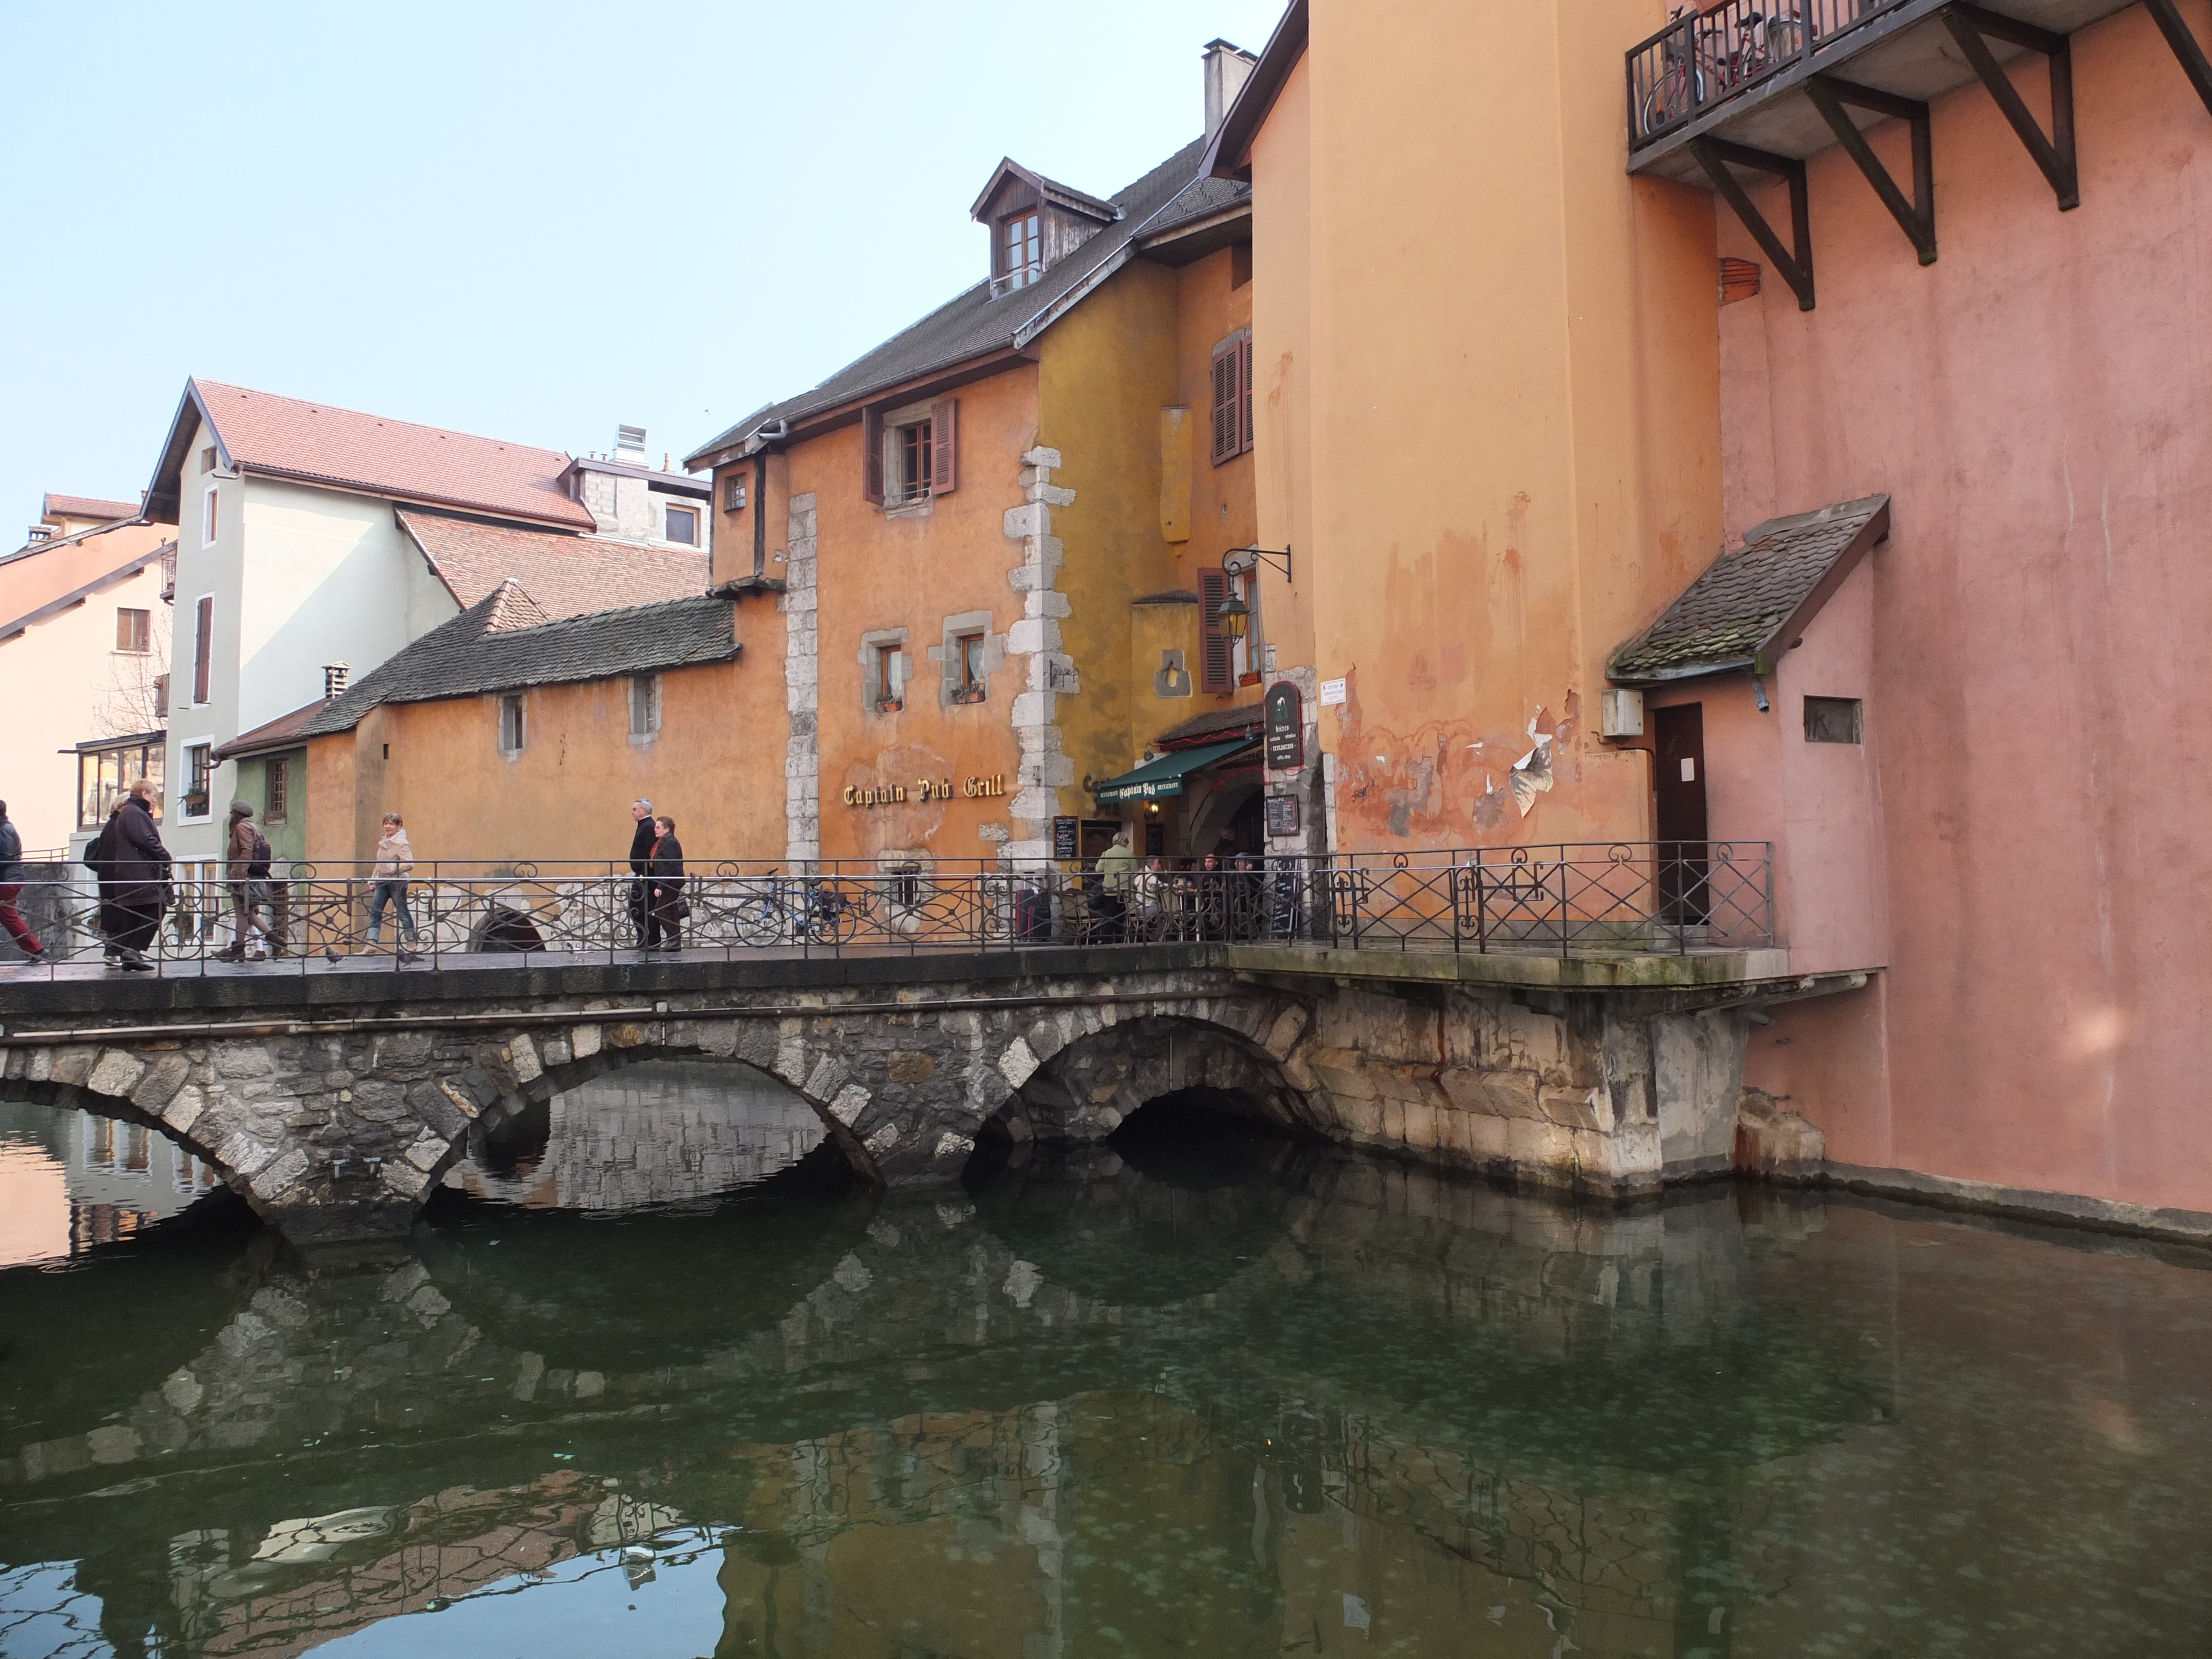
[(1282, 814), (1286, 727), (1066, 839)]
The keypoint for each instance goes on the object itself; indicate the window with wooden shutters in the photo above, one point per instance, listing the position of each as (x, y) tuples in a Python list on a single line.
[(1216, 667), (1228, 425), (1232, 399), (945, 440), (872, 455), (204, 651)]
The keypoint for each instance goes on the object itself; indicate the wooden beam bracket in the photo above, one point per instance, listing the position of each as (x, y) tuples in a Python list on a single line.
[(1915, 217), (2182, 39), (1973, 29), (1795, 263)]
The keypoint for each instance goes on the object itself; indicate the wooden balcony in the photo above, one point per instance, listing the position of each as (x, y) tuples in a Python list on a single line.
[(1754, 87)]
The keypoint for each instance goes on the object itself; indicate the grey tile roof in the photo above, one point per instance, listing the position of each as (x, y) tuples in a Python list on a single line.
[(1751, 603), (976, 323), (504, 644)]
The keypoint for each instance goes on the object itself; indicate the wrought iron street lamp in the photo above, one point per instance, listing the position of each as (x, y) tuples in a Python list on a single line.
[(1233, 614)]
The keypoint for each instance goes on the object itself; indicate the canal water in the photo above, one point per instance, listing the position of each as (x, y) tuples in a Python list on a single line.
[(655, 1380)]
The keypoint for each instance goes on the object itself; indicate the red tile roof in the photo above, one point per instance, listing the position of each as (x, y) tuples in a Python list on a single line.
[(283, 732), (263, 433), (566, 575), (88, 506)]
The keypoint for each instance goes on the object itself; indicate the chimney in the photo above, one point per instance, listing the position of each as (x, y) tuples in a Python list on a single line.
[(1226, 68), (334, 680), (629, 444)]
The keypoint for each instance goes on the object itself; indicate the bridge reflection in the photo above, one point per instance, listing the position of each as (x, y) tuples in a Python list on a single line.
[(1281, 1403)]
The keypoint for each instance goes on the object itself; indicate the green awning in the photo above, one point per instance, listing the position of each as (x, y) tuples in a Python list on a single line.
[(1157, 780)]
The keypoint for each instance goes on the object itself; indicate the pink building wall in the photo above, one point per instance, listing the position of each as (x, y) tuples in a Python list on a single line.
[(2038, 405), (1818, 804)]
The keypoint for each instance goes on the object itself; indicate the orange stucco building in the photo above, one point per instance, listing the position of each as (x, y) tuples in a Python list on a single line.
[(976, 560)]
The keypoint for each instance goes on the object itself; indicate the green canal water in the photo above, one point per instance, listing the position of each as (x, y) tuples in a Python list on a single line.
[(653, 1381)]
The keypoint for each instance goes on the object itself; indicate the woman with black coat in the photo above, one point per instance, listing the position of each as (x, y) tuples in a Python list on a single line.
[(664, 918), (138, 868)]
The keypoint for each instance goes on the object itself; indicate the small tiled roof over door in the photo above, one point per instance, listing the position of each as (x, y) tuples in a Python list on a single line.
[(1751, 604)]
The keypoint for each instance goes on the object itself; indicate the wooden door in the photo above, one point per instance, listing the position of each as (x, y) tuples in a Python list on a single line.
[(1678, 778)]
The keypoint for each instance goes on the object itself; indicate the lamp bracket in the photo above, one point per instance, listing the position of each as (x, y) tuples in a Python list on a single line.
[(1242, 561)]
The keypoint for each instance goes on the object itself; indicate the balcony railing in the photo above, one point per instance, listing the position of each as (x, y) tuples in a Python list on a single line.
[(1703, 59), (1607, 899)]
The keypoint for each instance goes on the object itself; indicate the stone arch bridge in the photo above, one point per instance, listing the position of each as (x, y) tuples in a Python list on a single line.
[(334, 1103)]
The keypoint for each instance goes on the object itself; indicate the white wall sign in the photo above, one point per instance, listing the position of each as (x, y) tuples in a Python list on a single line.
[(1331, 691)]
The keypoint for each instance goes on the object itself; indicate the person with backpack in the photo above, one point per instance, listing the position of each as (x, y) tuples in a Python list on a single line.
[(668, 905), (246, 872), (11, 885), (100, 858)]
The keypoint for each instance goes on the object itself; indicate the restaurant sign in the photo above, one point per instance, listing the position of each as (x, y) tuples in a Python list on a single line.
[(1286, 727), (897, 794)]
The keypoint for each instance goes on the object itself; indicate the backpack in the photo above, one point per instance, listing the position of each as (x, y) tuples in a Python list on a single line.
[(257, 862), (101, 852)]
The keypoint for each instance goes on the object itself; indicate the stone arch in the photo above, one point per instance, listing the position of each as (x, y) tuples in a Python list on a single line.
[(1088, 1083)]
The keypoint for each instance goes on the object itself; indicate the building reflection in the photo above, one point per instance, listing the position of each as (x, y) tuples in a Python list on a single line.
[(69, 1180), (661, 1133), (1305, 1403)]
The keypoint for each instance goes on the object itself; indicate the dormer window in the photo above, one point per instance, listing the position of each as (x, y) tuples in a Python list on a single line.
[(1021, 250)]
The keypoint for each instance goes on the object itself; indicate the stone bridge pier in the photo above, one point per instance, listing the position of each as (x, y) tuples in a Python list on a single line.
[(336, 1119)]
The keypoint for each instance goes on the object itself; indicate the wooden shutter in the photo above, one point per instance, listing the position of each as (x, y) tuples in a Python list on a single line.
[(204, 651), (944, 439), (1227, 424), (872, 455), (1214, 646), (1244, 393)]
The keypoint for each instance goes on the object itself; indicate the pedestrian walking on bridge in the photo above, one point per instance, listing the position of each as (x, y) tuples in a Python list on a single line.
[(640, 854), (388, 876), (11, 885), (667, 907), (138, 866)]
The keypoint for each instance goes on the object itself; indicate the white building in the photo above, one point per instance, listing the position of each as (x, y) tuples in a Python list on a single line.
[(313, 543), (84, 639)]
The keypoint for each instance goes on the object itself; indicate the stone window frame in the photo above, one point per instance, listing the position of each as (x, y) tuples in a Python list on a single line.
[(697, 512), (519, 702), (894, 421), (654, 709), (873, 645), (946, 655), (903, 883)]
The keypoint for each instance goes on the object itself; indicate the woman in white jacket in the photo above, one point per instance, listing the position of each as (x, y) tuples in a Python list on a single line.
[(395, 863)]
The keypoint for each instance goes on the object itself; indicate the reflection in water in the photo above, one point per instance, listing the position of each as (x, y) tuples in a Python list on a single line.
[(661, 1133), (69, 1180), (1264, 1401)]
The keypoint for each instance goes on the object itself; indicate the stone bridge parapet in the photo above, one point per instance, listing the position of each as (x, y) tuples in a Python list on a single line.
[(336, 1114)]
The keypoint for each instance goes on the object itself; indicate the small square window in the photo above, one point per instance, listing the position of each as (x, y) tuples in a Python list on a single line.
[(134, 631), (683, 525), (733, 494), (1834, 719), (206, 459), (644, 705), (888, 692), (974, 682), (912, 455), (199, 778), (1021, 250), (512, 730)]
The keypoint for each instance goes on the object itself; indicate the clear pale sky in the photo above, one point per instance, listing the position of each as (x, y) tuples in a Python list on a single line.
[(532, 221)]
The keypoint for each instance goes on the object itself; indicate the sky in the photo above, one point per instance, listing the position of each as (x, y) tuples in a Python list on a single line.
[(530, 221)]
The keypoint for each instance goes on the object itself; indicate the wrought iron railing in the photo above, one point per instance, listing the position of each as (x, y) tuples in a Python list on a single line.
[(1703, 59), (1600, 898)]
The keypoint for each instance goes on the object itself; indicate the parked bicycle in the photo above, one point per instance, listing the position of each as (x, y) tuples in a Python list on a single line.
[(795, 910)]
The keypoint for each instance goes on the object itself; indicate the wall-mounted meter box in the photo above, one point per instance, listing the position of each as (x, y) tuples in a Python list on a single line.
[(1620, 714)]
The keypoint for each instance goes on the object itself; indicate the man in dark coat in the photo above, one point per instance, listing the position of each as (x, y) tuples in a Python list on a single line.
[(138, 866), (100, 858), (641, 854)]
